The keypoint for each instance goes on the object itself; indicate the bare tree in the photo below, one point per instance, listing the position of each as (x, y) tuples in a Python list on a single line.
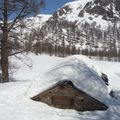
[(15, 11)]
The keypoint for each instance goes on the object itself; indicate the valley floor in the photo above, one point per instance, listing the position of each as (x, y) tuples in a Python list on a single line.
[(15, 103)]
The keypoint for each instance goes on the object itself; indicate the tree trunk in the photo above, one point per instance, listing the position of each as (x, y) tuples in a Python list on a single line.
[(4, 58), (4, 48)]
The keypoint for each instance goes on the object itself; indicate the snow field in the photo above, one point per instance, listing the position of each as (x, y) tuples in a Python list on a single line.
[(15, 103)]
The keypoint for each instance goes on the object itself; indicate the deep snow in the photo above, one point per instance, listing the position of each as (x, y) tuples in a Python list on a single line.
[(79, 70), (15, 103)]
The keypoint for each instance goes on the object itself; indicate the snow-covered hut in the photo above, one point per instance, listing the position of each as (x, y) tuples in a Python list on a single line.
[(72, 84)]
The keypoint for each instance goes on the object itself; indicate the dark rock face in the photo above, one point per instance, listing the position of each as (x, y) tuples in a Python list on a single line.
[(105, 78), (62, 11), (55, 15), (117, 5), (102, 7), (66, 9), (97, 10), (103, 2)]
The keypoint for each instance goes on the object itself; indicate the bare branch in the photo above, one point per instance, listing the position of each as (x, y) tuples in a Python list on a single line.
[(23, 50), (17, 17), (22, 61)]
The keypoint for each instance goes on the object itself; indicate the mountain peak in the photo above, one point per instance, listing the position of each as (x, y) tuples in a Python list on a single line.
[(102, 12)]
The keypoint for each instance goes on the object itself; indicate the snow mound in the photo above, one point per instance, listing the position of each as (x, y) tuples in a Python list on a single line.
[(79, 70)]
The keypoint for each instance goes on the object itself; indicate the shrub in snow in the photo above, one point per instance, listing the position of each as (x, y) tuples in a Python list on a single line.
[(115, 94)]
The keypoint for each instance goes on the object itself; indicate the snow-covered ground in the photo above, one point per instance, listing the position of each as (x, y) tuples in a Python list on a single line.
[(112, 69), (15, 103)]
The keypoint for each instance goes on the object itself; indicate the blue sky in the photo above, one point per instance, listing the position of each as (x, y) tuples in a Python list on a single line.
[(52, 5)]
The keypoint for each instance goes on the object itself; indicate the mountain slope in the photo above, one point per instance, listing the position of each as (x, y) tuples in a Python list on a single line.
[(91, 26), (38, 21), (99, 11)]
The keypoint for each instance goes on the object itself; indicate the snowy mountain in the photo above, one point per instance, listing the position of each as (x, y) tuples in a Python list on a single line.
[(31, 23), (102, 12), (37, 21), (91, 26), (27, 29)]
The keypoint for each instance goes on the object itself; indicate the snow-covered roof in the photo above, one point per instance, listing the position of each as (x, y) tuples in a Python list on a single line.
[(78, 69)]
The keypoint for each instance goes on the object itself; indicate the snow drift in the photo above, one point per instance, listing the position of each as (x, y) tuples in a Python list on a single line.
[(79, 70)]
